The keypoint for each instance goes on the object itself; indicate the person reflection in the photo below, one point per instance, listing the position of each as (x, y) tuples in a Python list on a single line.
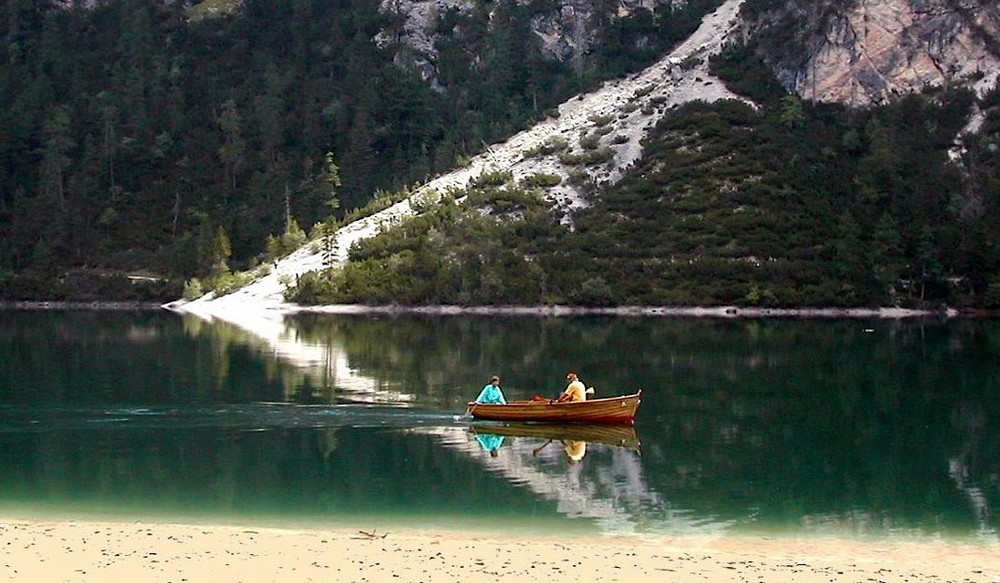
[(575, 449), (490, 442)]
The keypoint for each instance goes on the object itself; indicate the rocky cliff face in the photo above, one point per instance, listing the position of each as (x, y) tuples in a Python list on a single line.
[(863, 52), (567, 30), (858, 52)]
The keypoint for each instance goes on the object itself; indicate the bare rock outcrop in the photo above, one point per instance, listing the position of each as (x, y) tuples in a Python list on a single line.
[(567, 33), (863, 52)]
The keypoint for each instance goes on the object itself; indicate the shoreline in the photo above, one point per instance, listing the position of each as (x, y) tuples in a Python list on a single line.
[(94, 306), (218, 307), (223, 309), (241, 312), (95, 550), (724, 312)]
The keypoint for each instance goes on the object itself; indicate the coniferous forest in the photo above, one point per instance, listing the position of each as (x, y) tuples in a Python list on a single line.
[(143, 147), (136, 139)]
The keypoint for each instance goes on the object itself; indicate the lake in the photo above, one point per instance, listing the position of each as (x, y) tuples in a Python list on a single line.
[(853, 428)]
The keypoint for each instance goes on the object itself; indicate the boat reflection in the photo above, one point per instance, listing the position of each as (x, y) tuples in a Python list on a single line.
[(572, 437), (606, 483)]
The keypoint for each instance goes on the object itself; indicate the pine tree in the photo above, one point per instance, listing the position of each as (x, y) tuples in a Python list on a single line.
[(233, 149), (55, 154)]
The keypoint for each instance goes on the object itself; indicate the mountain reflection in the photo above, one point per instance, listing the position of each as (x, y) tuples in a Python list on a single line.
[(589, 472), (607, 484), (313, 368)]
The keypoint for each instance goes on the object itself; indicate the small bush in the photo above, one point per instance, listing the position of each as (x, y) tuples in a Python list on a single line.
[(579, 178), (594, 292), (550, 146), (541, 180), (228, 282), (590, 142), (601, 120), (690, 63), (193, 289), (644, 91), (492, 178)]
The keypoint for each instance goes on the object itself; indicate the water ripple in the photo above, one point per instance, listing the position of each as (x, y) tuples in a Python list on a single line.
[(245, 417)]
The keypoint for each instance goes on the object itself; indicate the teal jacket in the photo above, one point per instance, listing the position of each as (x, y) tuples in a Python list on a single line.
[(491, 394)]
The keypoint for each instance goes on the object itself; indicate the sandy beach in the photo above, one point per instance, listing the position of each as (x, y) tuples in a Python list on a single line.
[(84, 551)]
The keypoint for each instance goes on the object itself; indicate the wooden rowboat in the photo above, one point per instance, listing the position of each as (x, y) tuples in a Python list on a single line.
[(613, 410)]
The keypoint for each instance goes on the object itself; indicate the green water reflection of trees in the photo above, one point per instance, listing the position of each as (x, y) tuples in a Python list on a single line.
[(870, 424)]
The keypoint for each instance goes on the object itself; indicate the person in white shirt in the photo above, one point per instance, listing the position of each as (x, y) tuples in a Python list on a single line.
[(575, 391)]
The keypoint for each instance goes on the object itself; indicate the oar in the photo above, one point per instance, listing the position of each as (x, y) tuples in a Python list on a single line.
[(535, 451), (464, 416)]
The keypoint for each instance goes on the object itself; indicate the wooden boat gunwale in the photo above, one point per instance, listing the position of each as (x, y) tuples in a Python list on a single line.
[(619, 410)]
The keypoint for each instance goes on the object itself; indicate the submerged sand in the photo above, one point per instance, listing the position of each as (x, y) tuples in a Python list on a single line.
[(107, 551)]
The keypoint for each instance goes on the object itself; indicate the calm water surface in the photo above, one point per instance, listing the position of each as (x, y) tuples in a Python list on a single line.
[(872, 429)]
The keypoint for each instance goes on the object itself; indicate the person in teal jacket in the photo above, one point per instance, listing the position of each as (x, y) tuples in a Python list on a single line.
[(491, 393)]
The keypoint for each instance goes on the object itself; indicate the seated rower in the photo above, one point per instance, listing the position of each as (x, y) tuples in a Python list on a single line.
[(575, 391), (491, 393)]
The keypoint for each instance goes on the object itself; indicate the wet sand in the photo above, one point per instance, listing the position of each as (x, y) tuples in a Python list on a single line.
[(62, 551)]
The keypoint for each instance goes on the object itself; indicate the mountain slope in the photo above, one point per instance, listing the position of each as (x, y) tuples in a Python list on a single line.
[(661, 198), (631, 107)]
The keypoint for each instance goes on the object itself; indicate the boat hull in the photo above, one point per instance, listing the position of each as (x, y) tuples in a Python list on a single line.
[(613, 411)]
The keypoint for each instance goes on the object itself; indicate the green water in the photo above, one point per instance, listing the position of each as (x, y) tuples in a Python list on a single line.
[(873, 429)]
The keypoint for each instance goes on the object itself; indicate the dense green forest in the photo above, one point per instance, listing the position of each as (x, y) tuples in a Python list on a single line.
[(793, 204), (138, 140)]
